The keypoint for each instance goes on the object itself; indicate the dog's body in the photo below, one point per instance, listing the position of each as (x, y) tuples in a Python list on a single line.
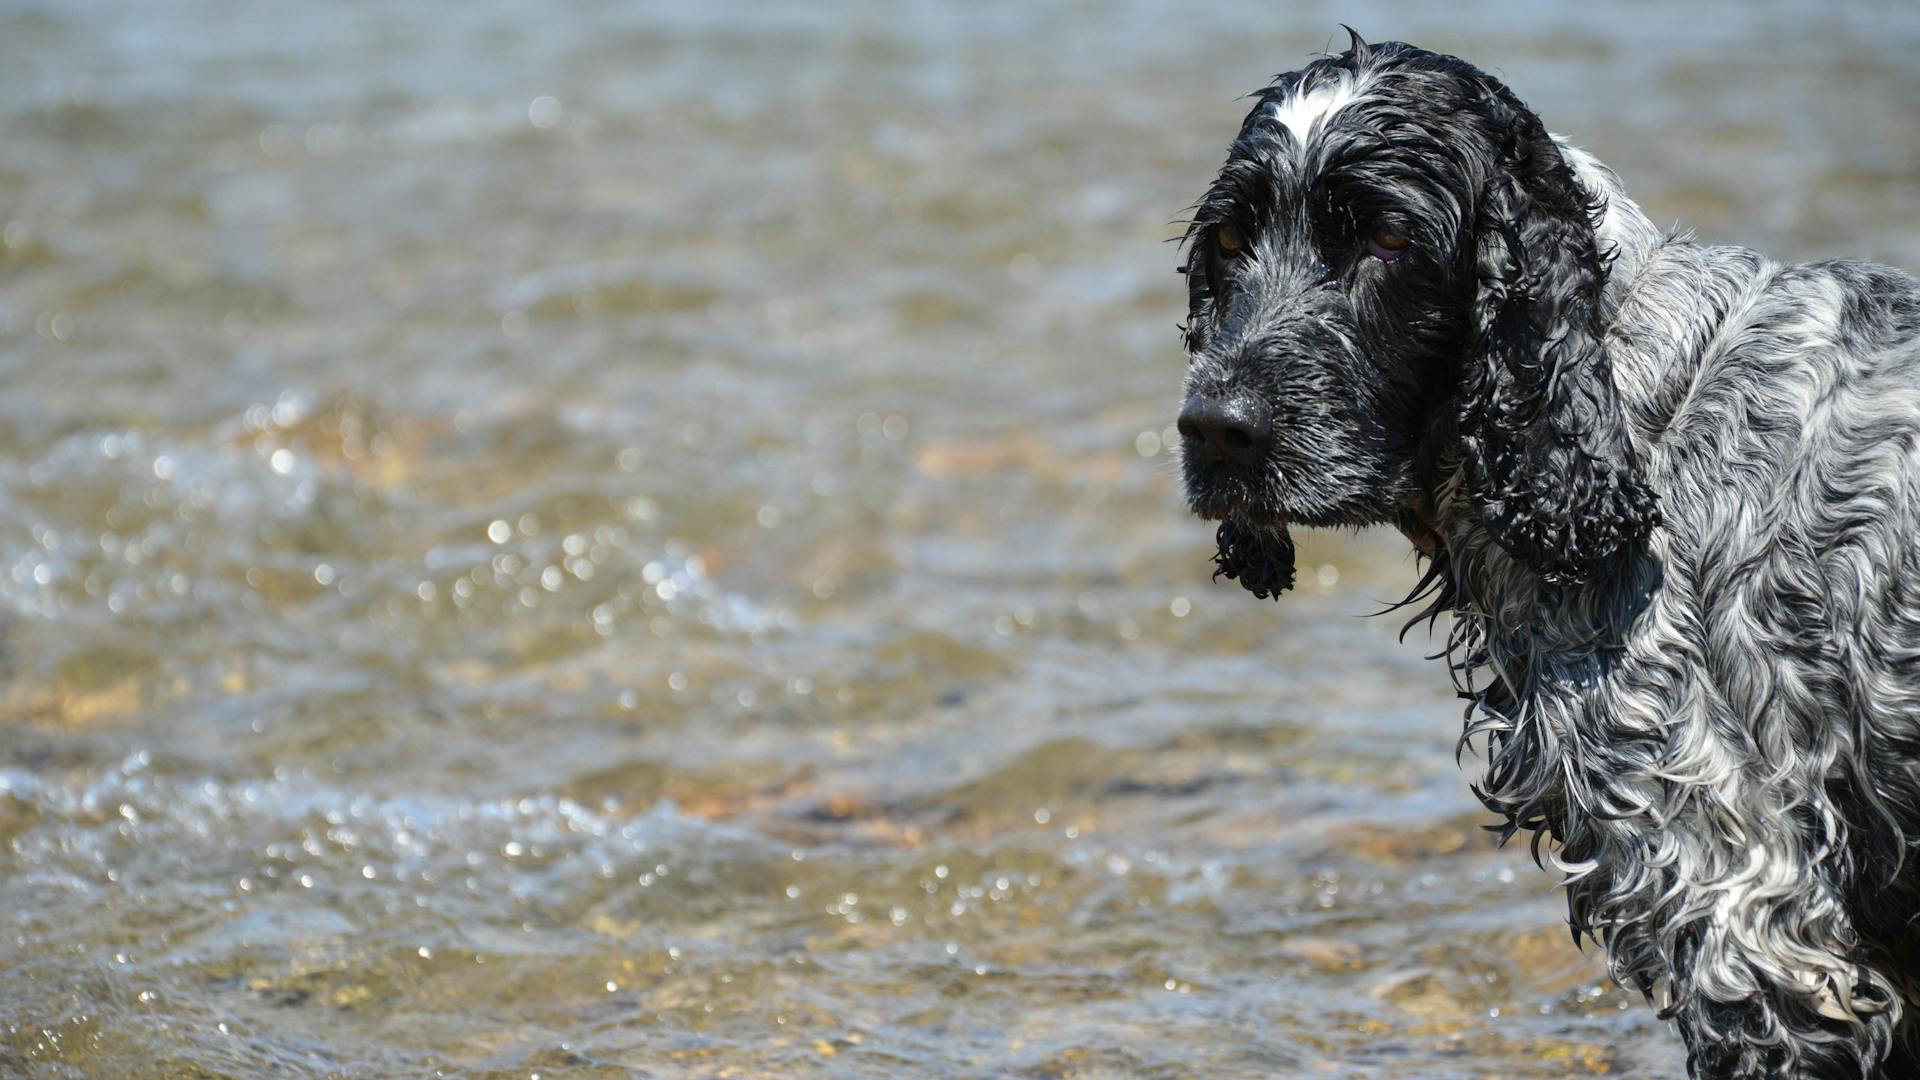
[(1722, 730), (1672, 497)]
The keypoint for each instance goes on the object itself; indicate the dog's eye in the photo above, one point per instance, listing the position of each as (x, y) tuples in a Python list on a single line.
[(1229, 239), (1386, 246)]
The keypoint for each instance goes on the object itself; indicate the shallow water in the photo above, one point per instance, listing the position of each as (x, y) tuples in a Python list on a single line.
[(637, 540)]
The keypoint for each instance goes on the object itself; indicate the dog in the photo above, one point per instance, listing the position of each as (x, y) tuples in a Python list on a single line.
[(1668, 492)]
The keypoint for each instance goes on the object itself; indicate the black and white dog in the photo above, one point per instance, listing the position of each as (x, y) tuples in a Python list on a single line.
[(1671, 497)]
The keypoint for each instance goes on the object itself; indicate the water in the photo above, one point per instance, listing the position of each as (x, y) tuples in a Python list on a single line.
[(637, 540)]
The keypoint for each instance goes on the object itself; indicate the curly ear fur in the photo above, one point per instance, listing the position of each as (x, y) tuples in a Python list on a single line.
[(1552, 471)]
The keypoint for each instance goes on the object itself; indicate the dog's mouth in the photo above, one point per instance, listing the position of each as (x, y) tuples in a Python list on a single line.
[(1416, 524), (1258, 552), (1253, 545), (1230, 506), (1217, 492)]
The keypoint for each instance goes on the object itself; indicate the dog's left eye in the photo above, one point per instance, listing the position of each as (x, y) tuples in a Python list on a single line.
[(1387, 246), (1229, 240)]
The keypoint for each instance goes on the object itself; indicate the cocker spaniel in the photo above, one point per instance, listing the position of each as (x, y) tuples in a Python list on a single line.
[(1670, 495)]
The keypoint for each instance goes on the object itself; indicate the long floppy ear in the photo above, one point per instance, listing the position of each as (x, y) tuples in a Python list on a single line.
[(1551, 468)]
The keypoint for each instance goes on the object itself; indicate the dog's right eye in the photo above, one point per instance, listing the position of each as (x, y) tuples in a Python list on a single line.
[(1386, 245), (1229, 240)]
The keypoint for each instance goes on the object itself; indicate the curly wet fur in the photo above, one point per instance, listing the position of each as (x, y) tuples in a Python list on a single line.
[(1260, 560), (1672, 496)]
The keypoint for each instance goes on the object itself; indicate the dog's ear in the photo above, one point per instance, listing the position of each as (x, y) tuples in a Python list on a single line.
[(1551, 468)]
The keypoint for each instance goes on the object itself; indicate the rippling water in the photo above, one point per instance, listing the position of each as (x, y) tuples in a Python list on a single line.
[(636, 539)]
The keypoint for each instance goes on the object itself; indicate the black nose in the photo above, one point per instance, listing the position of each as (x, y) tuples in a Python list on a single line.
[(1231, 429)]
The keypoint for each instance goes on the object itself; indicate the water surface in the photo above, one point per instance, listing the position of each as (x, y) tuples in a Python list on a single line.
[(627, 540)]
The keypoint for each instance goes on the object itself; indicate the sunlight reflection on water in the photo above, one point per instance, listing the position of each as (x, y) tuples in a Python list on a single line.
[(645, 538)]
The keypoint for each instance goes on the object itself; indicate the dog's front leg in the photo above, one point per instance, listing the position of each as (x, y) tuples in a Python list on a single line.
[(1716, 889)]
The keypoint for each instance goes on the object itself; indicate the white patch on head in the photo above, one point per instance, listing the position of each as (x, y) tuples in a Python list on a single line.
[(1301, 112)]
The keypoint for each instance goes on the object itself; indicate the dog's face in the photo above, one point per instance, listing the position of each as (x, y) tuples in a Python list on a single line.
[(1327, 302), (1358, 299)]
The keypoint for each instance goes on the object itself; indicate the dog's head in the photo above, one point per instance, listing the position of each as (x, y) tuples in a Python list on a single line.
[(1395, 277)]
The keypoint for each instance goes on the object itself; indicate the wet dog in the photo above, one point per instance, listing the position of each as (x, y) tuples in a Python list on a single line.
[(1669, 493)]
